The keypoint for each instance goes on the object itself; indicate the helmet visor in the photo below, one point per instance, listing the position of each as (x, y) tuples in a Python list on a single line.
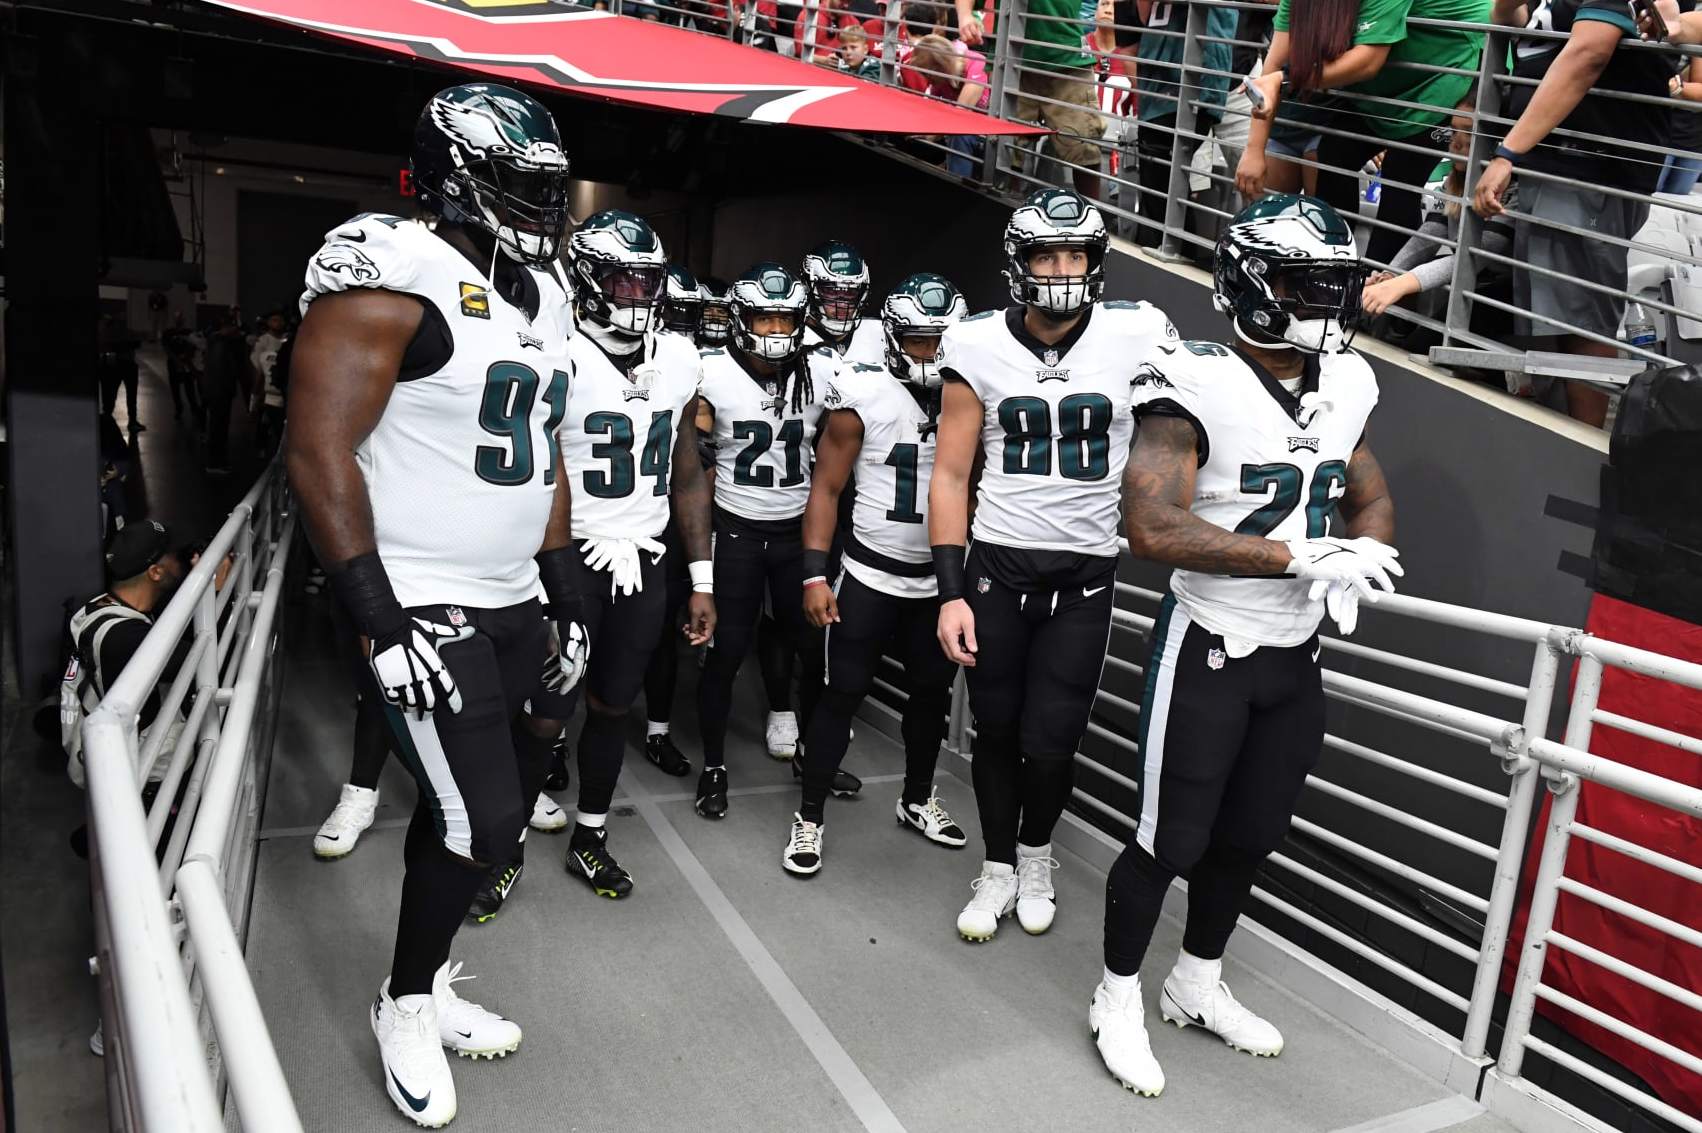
[(534, 198), (1319, 291), (839, 301), (627, 285)]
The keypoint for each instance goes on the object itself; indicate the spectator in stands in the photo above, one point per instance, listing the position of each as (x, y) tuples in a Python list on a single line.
[(829, 18), (180, 347), (956, 72), (1055, 78), (268, 399), (854, 53), (226, 372), (1679, 174), (1339, 63), (1426, 262), (1158, 77), (1591, 56)]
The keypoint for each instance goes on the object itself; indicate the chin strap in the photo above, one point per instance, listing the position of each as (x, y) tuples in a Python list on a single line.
[(1262, 344), (610, 339)]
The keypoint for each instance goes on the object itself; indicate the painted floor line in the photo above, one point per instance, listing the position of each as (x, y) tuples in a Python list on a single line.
[(1442, 1114), (859, 1093)]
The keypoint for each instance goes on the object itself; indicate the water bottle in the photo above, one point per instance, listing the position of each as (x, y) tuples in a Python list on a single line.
[(1639, 326)]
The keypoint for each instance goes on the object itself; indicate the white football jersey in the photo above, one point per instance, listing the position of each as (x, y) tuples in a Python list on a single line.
[(618, 436), (460, 469), (1056, 424), (764, 448), (867, 343), (1261, 471), (890, 516)]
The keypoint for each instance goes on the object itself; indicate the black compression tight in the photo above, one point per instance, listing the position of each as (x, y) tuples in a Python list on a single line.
[(1018, 799), (372, 742), (437, 890), (602, 746), (1134, 898), (776, 654)]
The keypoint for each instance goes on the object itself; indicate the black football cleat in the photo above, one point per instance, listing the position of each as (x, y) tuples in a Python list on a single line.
[(494, 892), (661, 751), (845, 784), (588, 857), (712, 792)]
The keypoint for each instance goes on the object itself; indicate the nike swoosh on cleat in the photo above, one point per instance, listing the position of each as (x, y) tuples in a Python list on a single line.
[(416, 1104), (465, 1034)]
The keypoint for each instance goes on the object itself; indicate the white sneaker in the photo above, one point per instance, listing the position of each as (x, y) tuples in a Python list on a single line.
[(995, 897), (1035, 900), (931, 821), (97, 1041), (782, 735), (466, 1028), (547, 817), (347, 821), (803, 848), (1114, 1018), (416, 1073), (1210, 1005)]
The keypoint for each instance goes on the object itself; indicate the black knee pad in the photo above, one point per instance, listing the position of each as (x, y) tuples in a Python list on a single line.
[(1136, 873), (995, 742)]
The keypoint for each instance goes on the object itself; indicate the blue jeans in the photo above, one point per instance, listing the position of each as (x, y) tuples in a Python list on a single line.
[(1679, 174), (966, 154)]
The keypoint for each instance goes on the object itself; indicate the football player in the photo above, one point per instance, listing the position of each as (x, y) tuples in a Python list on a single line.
[(1245, 452), (880, 422), (837, 278), (430, 373), (717, 320), (682, 309), (1041, 392), (759, 403)]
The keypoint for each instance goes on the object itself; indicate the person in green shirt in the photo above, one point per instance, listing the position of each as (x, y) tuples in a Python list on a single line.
[(1333, 63), (1055, 79)]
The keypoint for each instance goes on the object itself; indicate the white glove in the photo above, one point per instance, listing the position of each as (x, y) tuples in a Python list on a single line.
[(1341, 602), (565, 667), (409, 673), (1351, 563), (619, 557)]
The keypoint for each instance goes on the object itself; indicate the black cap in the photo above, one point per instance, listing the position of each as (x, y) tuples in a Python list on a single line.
[(135, 547)]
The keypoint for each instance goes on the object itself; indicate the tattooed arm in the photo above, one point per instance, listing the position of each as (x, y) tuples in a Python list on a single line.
[(1158, 489), (1367, 508)]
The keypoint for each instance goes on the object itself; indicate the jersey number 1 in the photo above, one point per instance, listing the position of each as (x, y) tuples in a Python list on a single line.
[(511, 389)]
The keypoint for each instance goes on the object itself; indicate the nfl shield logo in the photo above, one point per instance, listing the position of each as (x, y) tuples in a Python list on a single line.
[(983, 584), (1215, 659), (1050, 357), (456, 617)]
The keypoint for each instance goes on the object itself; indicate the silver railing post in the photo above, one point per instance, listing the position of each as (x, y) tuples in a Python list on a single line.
[(1521, 797), (1001, 99), (1187, 118), (812, 19), (889, 43), (1545, 894), (1483, 145)]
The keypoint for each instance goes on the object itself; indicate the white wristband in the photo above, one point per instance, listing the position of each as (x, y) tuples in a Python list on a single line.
[(702, 576)]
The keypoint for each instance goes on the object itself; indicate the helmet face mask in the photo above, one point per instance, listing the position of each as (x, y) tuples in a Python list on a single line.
[(682, 310), (716, 322), (489, 157), (767, 289), (620, 272), (1056, 219), (837, 279), (1287, 271), (921, 307)]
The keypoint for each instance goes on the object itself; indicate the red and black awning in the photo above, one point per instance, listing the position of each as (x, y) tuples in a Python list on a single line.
[(599, 55)]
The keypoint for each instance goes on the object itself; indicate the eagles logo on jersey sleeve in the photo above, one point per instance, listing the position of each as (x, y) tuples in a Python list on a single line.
[(370, 250)]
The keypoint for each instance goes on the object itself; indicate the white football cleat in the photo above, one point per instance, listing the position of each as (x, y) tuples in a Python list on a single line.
[(466, 1028), (1115, 1020), (547, 817), (416, 1072), (1210, 1005), (1036, 902), (995, 897), (347, 821), (931, 821), (782, 735), (803, 848)]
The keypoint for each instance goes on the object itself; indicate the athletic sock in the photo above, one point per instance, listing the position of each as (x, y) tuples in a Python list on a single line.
[(1192, 969), (1115, 982), (584, 821), (654, 728)]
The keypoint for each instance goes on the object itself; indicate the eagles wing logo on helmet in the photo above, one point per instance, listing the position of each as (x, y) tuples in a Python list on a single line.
[(483, 133), (341, 258)]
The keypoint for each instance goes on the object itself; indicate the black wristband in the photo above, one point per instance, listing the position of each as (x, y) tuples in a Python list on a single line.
[(948, 570), (815, 563), (364, 590), (556, 572)]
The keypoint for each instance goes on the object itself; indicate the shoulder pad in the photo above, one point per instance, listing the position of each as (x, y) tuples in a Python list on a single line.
[(370, 250), (1205, 349)]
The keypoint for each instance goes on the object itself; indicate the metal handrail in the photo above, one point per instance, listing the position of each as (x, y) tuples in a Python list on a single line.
[(161, 928)]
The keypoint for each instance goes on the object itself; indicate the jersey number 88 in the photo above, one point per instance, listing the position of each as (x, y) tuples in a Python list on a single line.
[(1083, 441)]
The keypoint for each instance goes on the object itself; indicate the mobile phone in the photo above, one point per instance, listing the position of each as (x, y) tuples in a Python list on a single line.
[(1254, 94), (1657, 25)]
